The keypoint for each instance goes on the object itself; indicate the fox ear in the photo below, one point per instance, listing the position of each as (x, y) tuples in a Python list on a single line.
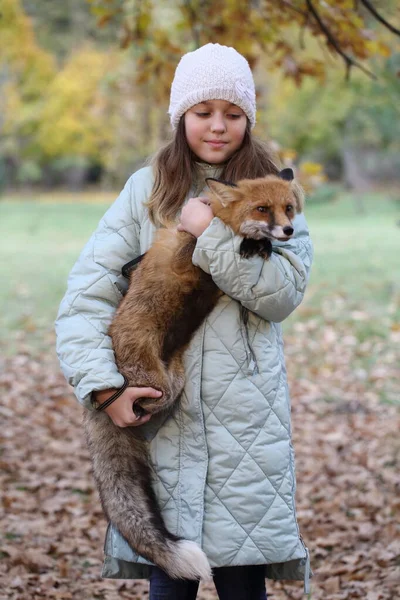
[(223, 190), (286, 174), (298, 193)]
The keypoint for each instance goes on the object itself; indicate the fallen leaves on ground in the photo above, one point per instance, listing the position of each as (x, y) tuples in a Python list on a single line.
[(347, 454)]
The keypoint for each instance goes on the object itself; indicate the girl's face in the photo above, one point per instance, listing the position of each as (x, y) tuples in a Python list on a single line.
[(215, 130)]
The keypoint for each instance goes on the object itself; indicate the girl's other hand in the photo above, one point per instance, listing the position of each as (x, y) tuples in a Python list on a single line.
[(196, 216), (121, 410)]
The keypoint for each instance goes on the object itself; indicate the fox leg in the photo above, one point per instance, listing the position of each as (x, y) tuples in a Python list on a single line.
[(171, 383)]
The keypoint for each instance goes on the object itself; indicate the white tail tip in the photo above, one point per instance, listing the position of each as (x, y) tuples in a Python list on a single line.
[(188, 561)]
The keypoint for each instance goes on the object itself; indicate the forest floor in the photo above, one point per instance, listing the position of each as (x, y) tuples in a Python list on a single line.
[(347, 453)]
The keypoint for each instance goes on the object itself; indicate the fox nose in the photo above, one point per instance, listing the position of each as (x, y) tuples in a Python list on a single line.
[(288, 230)]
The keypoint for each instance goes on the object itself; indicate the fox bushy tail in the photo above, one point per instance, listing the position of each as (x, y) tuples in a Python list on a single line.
[(123, 475)]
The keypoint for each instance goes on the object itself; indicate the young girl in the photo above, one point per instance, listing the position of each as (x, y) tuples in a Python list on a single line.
[(223, 462)]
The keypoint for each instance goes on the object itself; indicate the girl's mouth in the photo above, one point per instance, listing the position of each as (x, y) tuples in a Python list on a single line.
[(216, 143)]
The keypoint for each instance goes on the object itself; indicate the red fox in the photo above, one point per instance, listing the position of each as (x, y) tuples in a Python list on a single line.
[(167, 300)]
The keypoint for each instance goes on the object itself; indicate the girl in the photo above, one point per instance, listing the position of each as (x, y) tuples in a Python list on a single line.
[(223, 462)]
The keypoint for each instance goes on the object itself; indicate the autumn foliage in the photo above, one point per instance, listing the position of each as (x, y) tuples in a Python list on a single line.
[(89, 107), (162, 31), (347, 456)]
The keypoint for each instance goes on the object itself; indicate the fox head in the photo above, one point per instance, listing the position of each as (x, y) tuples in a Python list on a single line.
[(258, 208)]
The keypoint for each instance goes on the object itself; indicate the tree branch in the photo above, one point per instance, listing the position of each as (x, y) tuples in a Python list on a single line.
[(378, 17), (298, 10), (349, 62), (328, 55)]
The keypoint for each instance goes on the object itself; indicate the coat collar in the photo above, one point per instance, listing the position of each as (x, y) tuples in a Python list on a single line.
[(204, 170)]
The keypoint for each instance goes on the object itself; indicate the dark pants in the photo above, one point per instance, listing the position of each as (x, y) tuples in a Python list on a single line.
[(232, 583)]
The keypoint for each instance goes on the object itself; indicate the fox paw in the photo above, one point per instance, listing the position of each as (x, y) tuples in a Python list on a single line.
[(265, 249), (139, 411), (249, 248)]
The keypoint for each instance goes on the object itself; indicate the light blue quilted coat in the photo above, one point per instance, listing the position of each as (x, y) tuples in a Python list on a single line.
[(224, 461)]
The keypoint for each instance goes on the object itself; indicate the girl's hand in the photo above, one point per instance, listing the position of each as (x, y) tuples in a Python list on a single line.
[(196, 216), (121, 410)]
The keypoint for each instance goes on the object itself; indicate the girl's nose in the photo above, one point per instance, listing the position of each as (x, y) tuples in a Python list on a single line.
[(218, 124)]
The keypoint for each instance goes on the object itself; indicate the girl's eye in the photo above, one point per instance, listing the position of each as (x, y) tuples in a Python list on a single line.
[(202, 114), (262, 209), (234, 116)]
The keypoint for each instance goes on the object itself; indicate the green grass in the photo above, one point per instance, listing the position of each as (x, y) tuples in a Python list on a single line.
[(357, 259), (356, 272), (39, 243)]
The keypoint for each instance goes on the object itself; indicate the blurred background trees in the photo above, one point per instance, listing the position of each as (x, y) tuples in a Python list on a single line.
[(84, 84)]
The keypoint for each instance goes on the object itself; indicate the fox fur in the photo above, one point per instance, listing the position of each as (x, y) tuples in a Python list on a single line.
[(167, 300)]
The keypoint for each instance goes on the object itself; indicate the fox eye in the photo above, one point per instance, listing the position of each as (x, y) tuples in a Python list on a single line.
[(262, 209), (289, 208)]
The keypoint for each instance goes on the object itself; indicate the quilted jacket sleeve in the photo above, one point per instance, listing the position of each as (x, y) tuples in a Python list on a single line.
[(272, 288), (93, 293)]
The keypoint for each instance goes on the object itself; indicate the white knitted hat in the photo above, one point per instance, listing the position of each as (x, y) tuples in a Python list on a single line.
[(212, 72)]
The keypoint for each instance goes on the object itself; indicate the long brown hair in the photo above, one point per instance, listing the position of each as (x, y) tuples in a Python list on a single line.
[(175, 167)]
